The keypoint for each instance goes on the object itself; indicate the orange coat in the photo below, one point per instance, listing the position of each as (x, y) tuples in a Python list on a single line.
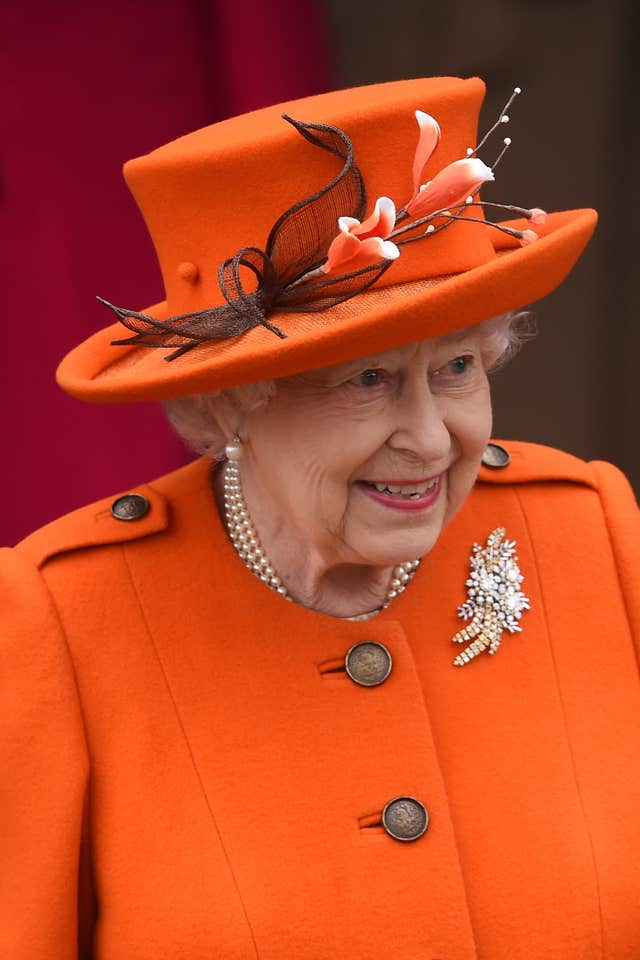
[(189, 772)]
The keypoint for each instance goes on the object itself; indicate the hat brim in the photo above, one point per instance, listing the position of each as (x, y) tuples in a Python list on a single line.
[(374, 321)]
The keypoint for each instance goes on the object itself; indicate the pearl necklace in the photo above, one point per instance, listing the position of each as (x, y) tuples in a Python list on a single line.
[(247, 544)]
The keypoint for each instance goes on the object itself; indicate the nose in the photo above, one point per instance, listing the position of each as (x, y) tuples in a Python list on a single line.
[(420, 429)]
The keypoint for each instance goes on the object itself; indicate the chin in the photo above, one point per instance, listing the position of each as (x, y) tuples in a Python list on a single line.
[(398, 547), (383, 537)]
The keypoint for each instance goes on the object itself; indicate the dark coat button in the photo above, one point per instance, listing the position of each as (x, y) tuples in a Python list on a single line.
[(495, 457), (405, 818), (368, 663), (130, 507)]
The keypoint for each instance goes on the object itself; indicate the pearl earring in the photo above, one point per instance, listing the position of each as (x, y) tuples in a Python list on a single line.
[(234, 450)]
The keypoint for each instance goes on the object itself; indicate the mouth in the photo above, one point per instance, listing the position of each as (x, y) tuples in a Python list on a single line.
[(412, 491), (405, 495)]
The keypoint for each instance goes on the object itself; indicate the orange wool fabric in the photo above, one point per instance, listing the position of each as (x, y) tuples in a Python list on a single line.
[(186, 774), (209, 194)]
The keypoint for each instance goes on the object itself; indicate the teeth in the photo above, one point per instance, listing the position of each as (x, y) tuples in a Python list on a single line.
[(409, 491)]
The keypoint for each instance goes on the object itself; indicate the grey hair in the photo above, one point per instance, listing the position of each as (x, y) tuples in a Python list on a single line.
[(195, 418)]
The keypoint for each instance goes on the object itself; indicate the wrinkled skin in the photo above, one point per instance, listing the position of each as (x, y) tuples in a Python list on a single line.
[(420, 411)]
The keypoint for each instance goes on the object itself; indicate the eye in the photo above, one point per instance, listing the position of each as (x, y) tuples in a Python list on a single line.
[(369, 378), (460, 364), (456, 367)]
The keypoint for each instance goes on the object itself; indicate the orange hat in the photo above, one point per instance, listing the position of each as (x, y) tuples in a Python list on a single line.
[(270, 266)]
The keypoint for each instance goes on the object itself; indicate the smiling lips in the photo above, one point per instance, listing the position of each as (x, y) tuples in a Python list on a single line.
[(403, 496)]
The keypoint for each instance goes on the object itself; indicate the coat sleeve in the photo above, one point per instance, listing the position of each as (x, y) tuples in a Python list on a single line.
[(44, 902), (623, 522)]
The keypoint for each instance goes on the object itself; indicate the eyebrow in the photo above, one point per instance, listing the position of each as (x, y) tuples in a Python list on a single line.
[(455, 335), (359, 363), (374, 360)]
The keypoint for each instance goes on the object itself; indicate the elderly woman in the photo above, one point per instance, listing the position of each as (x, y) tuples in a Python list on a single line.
[(235, 723)]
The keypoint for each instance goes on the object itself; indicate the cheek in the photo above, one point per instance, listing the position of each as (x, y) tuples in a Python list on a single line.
[(472, 421), (470, 428), (307, 453), (319, 431), (478, 433)]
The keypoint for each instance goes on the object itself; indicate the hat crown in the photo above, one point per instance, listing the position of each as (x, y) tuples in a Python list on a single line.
[(206, 195)]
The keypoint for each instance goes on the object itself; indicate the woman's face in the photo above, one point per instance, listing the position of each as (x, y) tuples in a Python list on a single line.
[(368, 460)]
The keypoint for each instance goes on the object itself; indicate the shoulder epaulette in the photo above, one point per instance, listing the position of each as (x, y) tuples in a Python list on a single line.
[(130, 516), (512, 461), (144, 510)]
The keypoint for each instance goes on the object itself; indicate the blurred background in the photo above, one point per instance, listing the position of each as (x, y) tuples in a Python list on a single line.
[(85, 87)]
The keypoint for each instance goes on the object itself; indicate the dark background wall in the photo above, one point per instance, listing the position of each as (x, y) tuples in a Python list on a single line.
[(86, 87)]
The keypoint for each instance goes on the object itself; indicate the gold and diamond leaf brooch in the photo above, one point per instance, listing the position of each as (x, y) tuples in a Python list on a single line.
[(495, 601)]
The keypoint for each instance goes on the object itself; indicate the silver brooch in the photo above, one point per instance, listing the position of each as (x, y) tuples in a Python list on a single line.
[(494, 599)]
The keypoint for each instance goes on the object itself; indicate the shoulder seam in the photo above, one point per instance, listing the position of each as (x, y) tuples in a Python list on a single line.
[(72, 662), (524, 462), (597, 466), (93, 526)]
